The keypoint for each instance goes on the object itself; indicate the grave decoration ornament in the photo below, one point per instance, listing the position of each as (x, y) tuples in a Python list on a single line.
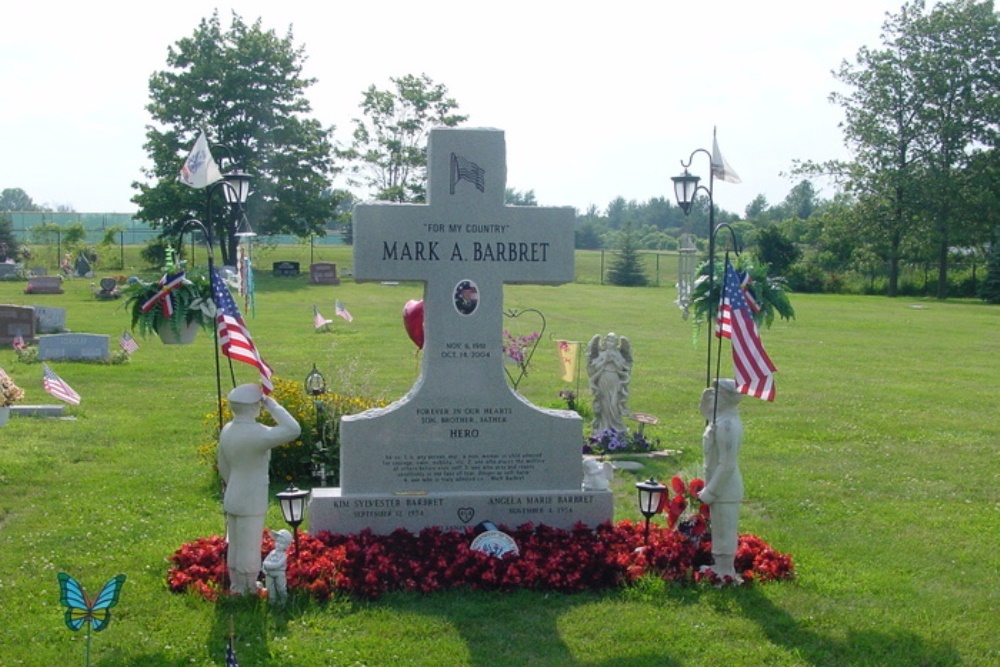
[(609, 365), (723, 491), (82, 610), (174, 307), (244, 453), (413, 321), (275, 567)]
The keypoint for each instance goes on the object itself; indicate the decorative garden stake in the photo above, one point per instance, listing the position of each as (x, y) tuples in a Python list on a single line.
[(81, 610)]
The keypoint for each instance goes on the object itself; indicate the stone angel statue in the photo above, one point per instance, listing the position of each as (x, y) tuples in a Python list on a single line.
[(609, 366)]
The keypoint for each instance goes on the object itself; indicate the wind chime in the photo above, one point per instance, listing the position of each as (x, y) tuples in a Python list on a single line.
[(244, 254), (685, 274)]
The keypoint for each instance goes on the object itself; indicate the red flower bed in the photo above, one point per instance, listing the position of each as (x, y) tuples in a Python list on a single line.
[(366, 565)]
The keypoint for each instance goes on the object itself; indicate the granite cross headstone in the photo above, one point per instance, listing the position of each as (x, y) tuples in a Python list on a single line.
[(461, 446)]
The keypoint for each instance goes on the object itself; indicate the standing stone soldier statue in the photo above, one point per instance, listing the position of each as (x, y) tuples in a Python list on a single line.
[(723, 490), (244, 455), (609, 365)]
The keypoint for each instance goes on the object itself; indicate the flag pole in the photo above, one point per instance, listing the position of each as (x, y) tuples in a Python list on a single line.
[(215, 328)]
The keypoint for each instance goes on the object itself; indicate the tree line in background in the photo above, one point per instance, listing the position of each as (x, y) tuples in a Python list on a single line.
[(921, 118)]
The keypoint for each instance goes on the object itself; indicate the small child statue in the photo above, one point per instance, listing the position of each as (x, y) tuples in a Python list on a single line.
[(275, 566)]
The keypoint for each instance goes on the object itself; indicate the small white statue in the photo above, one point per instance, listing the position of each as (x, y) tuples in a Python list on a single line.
[(597, 476), (275, 566), (244, 455), (609, 366), (723, 490)]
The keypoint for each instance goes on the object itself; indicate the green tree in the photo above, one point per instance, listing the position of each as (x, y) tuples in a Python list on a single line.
[(757, 209), (914, 109), (626, 269), (956, 52), (388, 151), (989, 291), (514, 197), (16, 199), (8, 242), (774, 249), (588, 236), (244, 87)]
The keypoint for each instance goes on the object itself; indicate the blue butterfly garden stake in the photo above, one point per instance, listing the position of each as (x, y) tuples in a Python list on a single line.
[(81, 610)]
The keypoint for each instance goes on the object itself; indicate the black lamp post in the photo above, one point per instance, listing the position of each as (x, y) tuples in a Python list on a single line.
[(686, 187), (206, 231), (315, 386), (235, 185), (293, 508), (650, 494)]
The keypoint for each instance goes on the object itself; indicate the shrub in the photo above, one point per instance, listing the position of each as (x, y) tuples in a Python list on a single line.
[(319, 443)]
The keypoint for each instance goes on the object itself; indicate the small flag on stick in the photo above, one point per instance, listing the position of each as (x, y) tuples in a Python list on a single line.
[(56, 386), (754, 370), (568, 351), (231, 655), (342, 312), (200, 170), (319, 320), (128, 343)]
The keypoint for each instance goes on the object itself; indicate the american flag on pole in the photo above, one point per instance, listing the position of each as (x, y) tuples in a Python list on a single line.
[(342, 312), (319, 320), (754, 369), (128, 343), (745, 282), (56, 386), (234, 338)]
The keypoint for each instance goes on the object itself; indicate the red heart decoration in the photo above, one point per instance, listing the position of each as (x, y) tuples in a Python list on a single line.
[(413, 320)]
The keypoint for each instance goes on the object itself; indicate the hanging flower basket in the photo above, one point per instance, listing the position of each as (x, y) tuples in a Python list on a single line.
[(174, 308), (168, 336)]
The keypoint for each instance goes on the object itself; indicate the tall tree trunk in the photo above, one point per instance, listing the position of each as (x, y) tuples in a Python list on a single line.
[(942, 286)]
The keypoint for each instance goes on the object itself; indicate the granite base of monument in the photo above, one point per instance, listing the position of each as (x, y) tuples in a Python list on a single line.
[(329, 510)]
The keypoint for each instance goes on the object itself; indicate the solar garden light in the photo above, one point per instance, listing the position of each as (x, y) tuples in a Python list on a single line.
[(650, 494), (315, 382), (293, 508)]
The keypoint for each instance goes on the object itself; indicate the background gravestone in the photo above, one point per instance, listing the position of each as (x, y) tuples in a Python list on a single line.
[(285, 269), (323, 273), (461, 447), (50, 319), (73, 346), (17, 321)]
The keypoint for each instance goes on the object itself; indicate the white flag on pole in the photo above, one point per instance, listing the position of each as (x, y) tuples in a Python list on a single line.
[(720, 168), (200, 169)]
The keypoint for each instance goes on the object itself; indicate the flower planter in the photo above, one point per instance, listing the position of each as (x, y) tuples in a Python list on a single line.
[(4, 415), (169, 337)]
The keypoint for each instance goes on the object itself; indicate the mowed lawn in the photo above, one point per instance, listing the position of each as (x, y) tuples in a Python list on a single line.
[(876, 468)]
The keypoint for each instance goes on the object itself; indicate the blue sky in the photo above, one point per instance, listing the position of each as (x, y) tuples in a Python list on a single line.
[(596, 101)]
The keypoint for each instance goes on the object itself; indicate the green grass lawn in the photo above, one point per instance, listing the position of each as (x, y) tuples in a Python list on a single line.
[(876, 467)]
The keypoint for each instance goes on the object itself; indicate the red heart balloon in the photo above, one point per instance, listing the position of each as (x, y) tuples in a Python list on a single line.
[(413, 320)]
